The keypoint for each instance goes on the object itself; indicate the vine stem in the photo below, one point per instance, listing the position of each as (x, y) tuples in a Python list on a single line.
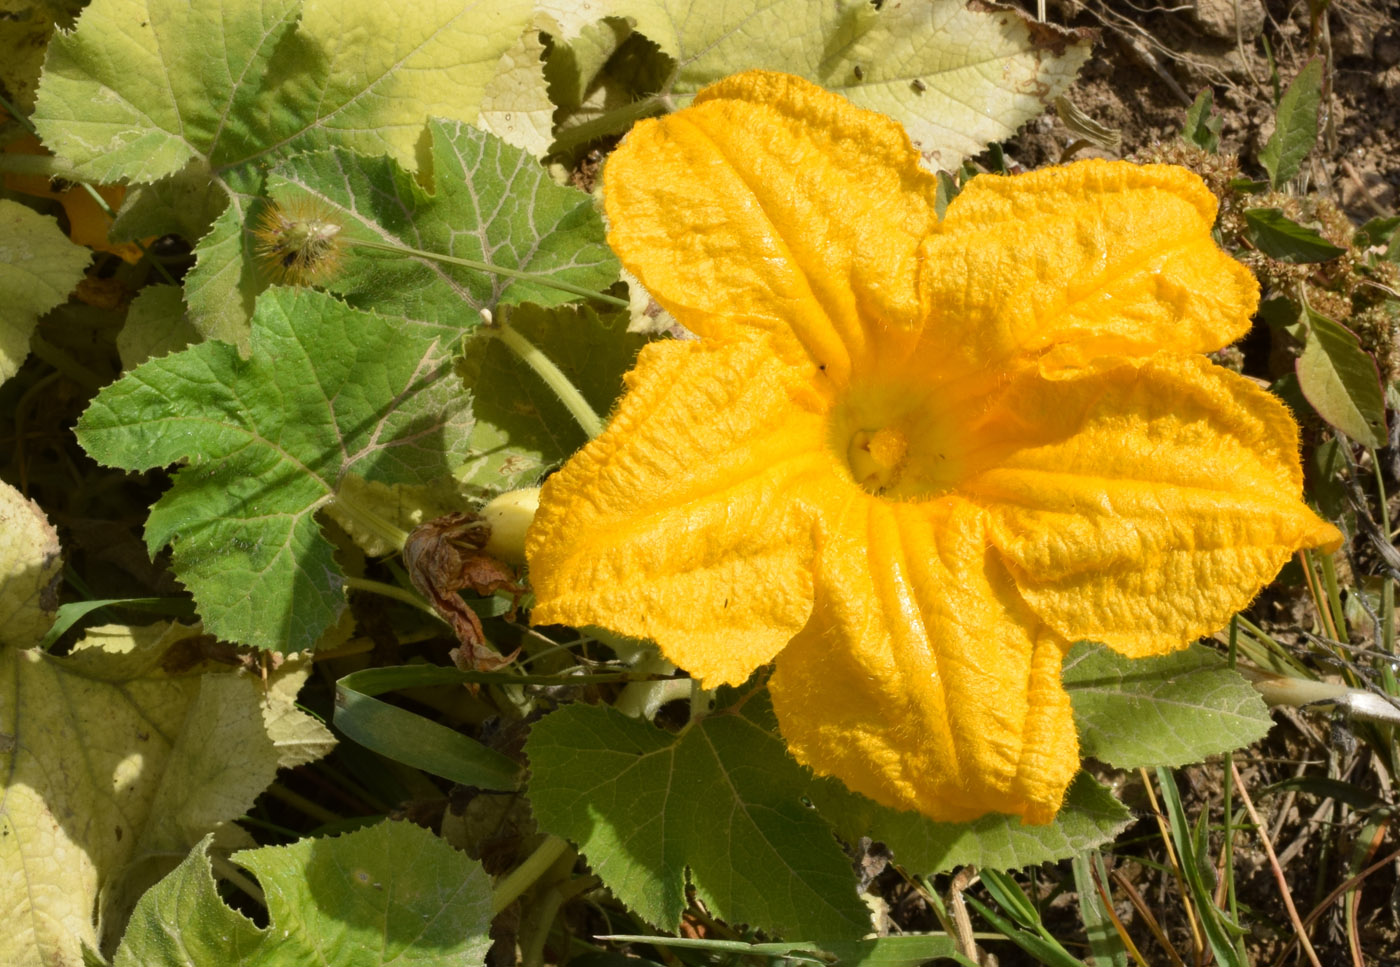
[(536, 277), (552, 375), (520, 879), (390, 591)]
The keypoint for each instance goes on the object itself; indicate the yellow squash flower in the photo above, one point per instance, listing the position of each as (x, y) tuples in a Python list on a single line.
[(912, 460)]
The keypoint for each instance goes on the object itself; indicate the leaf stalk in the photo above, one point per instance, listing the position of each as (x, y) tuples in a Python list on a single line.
[(552, 375)]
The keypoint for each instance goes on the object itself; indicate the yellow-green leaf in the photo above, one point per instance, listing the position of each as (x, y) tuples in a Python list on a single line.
[(29, 562), (158, 746), (38, 268), (957, 78)]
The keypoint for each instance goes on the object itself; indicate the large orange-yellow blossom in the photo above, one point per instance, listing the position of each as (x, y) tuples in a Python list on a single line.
[(912, 460)]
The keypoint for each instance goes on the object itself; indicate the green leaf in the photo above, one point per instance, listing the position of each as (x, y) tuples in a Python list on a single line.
[(327, 391), (1279, 237), (155, 326), (1296, 129), (1378, 231), (722, 800), (1163, 711), (214, 95), (39, 266), (956, 78), (131, 748), (391, 893), (1089, 817), (493, 203), (1203, 124), (412, 739), (522, 429), (1341, 381), (1221, 934)]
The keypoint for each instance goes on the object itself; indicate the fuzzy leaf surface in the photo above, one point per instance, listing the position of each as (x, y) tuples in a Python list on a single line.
[(392, 893), (327, 391), (39, 266), (492, 203), (1341, 381), (172, 744), (217, 92), (956, 78), (1164, 711), (722, 800)]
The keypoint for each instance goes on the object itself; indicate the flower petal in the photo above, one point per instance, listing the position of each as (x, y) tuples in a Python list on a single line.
[(1100, 257), (923, 681), (1142, 503), (774, 204), (683, 521)]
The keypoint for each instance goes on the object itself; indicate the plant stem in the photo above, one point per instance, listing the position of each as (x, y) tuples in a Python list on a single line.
[(226, 869), (303, 805), (1229, 806), (390, 591), (387, 531), (66, 364), (536, 277), (612, 122), (552, 375), (520, 879)]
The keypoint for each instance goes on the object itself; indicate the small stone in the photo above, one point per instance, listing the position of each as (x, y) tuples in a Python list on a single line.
[(1217, 18)]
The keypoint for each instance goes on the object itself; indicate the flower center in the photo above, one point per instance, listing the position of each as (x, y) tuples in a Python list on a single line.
[(877, 457), (899, 440)]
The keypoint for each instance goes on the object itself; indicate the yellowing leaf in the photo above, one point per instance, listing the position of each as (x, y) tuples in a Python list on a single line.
[(38, 268), (516, 106), (956, 77), (29, 562), (118, 759)]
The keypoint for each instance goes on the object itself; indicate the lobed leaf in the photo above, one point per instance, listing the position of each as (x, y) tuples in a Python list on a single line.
[(1162, 711), (172, 743), (327, 391), (210, 96), (392, 893), (956, 76), (722, 800), (492, 203)]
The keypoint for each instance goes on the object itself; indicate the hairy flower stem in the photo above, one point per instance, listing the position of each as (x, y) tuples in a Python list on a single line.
[(613, 122), (536, 277), (520, 879), (553, 377), (390, 591)]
